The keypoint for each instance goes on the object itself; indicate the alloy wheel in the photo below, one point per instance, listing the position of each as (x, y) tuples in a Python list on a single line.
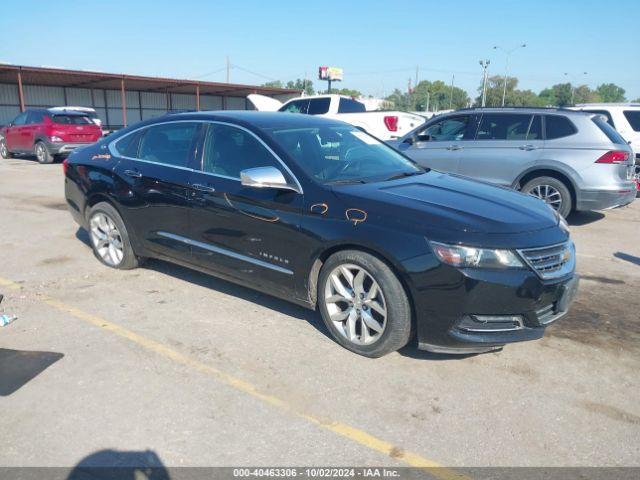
[(356, 304), (40, 153), (106, 239), (549, 194), (3, 149)]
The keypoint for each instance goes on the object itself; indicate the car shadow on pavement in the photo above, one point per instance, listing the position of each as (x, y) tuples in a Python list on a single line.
[(121, 465), (628, 258), (584, 218), (18, 367)]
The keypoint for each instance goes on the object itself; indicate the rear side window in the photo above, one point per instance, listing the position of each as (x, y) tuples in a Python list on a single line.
[(229, 150), (608, 130), (496, 126), (169, 144), (128, 146), (348, 105), (605, 113), (297, 106), (535, 129), (71, 119), (35, 117), (633, 117), (557, 126), (319, 106)]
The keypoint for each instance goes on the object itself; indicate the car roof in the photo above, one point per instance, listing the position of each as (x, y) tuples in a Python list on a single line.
[(66, 112), (259, 120), (612, 104), (518, 110)]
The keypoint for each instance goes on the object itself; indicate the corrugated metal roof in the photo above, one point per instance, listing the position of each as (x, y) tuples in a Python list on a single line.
[(80, 78)]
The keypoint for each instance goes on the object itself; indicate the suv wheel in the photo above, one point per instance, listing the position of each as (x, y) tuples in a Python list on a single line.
[(553, 191), (109, 238), (42, 153), (363, 304), (4, 151)]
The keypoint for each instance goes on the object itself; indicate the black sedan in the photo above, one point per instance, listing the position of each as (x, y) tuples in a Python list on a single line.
[(320, 213)]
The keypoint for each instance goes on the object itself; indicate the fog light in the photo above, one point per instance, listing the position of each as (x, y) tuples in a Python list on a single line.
[(492, 323)]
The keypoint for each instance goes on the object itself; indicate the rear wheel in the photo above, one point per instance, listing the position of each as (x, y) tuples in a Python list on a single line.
[(553, 191), (363, 304), (109, 238), (4, 151), (42, 153)]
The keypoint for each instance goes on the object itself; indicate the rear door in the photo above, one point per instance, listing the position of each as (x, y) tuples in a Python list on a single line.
[(251, 234), (155, 165), (505, 145), (14, 133), (440, 144), (34, 125)]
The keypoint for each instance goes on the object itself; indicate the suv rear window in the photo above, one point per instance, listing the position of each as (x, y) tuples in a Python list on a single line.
[(557, 126), (348, 105), (608, 130), (71, 119), (605, 113), (633, 117)]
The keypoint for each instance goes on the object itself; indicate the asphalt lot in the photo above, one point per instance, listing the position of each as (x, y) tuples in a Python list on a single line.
[(191, 370)]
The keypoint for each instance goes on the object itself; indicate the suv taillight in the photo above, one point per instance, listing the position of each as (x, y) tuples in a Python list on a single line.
[(614, 156), (65, 166), (391, 122)]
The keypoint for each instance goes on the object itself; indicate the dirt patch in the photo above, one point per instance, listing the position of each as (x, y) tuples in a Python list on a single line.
[(595, 278), (54, 205), (55, 260), (611, 412)]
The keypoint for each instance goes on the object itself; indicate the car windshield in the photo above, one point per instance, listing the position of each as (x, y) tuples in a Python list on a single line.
[(71, 119), (342, 154)]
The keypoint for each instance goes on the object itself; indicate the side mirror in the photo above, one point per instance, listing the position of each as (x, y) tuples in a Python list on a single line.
[(265, 177), (410, 140), (424, 138)]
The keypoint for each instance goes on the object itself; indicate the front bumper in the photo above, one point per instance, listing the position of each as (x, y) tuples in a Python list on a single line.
[(450, 302), (606, 199), (64, 148)]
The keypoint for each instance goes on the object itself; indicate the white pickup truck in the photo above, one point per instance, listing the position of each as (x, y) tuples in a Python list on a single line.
[(381, 124)]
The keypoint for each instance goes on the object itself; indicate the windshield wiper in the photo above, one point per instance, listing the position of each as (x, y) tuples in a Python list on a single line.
[(403, 175), (346, 181)]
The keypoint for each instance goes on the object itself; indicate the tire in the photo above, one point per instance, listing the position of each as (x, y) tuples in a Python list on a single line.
[(391, 296), (42, 153), (541, 185), (4, 151), (112, 248)]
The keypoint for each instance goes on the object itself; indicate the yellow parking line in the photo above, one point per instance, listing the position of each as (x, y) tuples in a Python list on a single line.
[(354, 434)]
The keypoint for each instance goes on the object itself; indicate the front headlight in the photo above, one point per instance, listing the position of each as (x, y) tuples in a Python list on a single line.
[(462, 256)]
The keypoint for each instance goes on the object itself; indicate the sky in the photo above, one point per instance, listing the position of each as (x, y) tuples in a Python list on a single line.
[(379, 44)]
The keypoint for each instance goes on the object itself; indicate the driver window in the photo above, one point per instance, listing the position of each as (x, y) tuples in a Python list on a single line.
[(446, 130), (20, 119), (298, 106), (229, 150)]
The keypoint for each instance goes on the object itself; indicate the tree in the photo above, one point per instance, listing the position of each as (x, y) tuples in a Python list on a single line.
[(273, 84), (558, 95), (399, 100), (610, 92), (513, 96), (583, 94), (438, 95), (343, 91), (298, 84)]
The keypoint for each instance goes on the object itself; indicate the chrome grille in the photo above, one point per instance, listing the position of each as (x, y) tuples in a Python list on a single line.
[(551, 262)]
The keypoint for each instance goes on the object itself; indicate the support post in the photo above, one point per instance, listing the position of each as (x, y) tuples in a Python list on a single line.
[(123, 100), (197, 97), (20, 91)]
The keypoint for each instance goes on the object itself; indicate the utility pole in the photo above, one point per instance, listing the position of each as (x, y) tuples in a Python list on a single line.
[(416, 82), (428, 98), (506, 67), (451, 94), (228, 69), (573, 88), (484, 64)]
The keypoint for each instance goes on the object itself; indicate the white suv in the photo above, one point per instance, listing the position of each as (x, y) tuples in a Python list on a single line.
[(624, 117)]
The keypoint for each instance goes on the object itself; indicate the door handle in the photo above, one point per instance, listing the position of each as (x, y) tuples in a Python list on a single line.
[(203, 188), (527, 147), (133, 173), (454, 147)]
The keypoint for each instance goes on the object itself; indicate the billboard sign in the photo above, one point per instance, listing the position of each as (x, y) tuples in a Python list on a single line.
[(330, 73)]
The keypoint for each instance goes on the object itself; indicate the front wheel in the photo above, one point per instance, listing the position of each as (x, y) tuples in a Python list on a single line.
[(109, 238), (553, 191), (4, 151), (42, 153), (363, 304)]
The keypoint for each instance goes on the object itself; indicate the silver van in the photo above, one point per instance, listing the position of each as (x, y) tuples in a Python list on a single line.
[(571, 160)]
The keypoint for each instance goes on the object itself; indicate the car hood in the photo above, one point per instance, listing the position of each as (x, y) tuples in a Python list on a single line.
[(450, 202)]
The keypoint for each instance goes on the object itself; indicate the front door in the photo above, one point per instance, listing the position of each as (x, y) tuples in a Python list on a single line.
[(14, 134), (440, 144), (156, 164), (505, 145), (247, 233)]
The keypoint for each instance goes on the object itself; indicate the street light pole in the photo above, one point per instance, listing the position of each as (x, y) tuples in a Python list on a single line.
[(484, 64), (506, 67), (573, 88)]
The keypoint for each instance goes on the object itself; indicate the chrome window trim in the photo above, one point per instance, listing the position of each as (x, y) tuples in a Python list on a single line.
[(224, 251), (112, 149)]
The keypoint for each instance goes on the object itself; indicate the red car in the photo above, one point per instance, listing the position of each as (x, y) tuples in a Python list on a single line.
[(47, 134)]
